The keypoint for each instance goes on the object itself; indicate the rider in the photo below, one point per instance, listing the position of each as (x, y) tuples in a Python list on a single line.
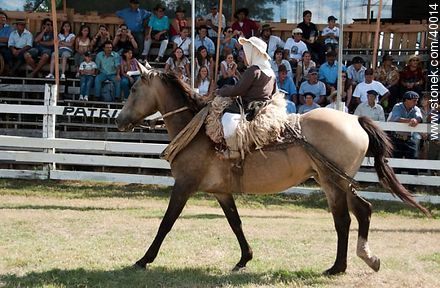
[(256, 87)]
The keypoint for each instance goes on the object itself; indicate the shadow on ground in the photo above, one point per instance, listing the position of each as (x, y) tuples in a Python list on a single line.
[(160, 277)]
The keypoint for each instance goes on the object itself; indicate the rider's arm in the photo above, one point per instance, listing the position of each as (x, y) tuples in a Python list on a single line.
[(246, 81)]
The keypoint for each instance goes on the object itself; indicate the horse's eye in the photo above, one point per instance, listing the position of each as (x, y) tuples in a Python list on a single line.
[(133, 90)]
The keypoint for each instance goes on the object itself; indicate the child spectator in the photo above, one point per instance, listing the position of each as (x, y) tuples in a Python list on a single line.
[(178, 64), (66, 43), (309, 104), (43, 48), (203, 82), (203, 58), (129, 72), (278, 60), (157, 30), (229, 73), (100, 39), (87, 71), (82, 45), (303, 68), (183, 41), (356, 71), (294, 48), (331, 35), (124, 40), (178, 23)]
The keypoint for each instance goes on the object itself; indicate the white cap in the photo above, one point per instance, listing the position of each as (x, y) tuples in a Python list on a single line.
[(297, 30)]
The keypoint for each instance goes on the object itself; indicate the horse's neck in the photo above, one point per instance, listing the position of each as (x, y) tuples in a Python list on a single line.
[(176, 122)]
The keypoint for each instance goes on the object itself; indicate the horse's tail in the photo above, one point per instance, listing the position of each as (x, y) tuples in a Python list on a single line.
[(381, 147)]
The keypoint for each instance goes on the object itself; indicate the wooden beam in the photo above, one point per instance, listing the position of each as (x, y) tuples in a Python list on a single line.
[(55, 44), (217, 52)]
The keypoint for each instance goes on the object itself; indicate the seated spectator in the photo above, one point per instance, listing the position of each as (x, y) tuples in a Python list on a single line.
[(203, 40), (328, 72), (411, 77), (87, 71), (212, 20), (332, 101), (178, 64), (371, 108), (405, 112), (388, 75), (313, 86), (310, 35), (244, 26), (43, 48), (108, 62), (157, 30), (229, 43), (183, 41), (129, 72), (228, 74), (427, 113), (331, 35), (273, 42), (66, 42), (203, 82), (203, 58), (82, 45), (178, 23), (285, 83), (124, 40), (100, 39), (278, 60), (356, 71), (309, 104), (135, 18), (360, 92), (303, 68), (5, 31), (19, 42), (294, 48), (348, 91)]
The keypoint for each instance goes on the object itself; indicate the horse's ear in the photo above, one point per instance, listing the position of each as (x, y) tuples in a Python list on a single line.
[(143, 69)]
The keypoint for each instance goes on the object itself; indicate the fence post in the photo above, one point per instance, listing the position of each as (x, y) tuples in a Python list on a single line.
[(50, 100)]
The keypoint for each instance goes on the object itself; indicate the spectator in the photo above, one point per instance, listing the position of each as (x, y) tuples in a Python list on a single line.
[(285, 83), (87, 70), (178, 23), (183, 41), (309, 104), (100, 39), (135, 18), (124, 40), (246, 26), (229, 43), (273, 42), (360, 92), (82, 45), (356, 71), (178, 64), (228, 72), (19, 42), (212, 20), (348, 91), (388, 75), (278, 60), (203, 40), (129, 71), (203, 58), (310, 35), (294, 48), (371, 108), (328, 72), (332, 101), (108, 62), (313, 86), (43, 48), (331, 35), (411, 77), (303, 68), (427, 111), (405, 112), (66, 42), (203, 82), (157, 30), (5, 31)]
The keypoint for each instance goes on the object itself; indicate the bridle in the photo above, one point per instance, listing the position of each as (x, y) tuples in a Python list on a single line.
[(168, 114)]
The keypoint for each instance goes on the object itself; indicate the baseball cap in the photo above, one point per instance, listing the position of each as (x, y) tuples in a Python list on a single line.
[(372, 92), (297, 31), (313, 70), (309, 93), (330, 18), (411, 95)]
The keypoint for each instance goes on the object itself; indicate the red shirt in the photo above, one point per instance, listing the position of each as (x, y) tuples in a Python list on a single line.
[(248, 27), (408, 76), (182, 23)]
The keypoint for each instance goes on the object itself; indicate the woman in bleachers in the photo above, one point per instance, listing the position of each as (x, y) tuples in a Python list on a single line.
[(82, 45), (203, 58), (100, 38), (203, 82), (178, 64), (303, 67), (277, 60), (178, 23), (157, 30), (347, 92), (124, 40), (229, 41), (129, 71), (66, 43), (228, 72), (411, 77)]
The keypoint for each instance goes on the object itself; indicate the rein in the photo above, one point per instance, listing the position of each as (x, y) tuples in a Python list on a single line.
[(165, 115)]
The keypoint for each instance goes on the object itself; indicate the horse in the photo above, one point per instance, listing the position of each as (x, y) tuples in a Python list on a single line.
[(342, 138)]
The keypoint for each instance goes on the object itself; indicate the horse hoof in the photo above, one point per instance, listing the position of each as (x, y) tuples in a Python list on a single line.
[(139, 266), (238, 268), (334, 271), (375, 264)]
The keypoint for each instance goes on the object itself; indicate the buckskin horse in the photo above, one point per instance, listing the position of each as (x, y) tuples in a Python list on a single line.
[(342, 138)]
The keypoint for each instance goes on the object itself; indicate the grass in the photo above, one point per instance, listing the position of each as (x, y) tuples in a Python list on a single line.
[(84, 234)]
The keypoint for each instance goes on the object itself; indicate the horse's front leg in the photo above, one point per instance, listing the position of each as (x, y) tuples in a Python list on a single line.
[(228, 205), (179, 197)]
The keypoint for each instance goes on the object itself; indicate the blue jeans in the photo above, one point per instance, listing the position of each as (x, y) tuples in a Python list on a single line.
[(86, 82), (98, 85), (126, 85)]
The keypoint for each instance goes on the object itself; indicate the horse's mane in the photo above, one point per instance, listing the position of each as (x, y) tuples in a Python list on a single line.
[(177, 86)]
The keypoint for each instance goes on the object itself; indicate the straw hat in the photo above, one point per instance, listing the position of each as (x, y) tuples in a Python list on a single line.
[(257, 43)]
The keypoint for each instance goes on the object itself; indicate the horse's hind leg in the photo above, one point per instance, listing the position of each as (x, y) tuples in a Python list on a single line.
[(179, 197), (228, 205), (362, 210)]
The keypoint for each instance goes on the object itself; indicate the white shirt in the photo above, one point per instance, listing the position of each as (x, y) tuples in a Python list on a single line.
[(185, 46), (361, 90), (274, 43), (327, 30), (214, 21), (296, 49), (87, 66), (375, 113), (286, 63), (17, 41), (67, 38), (204, 87)]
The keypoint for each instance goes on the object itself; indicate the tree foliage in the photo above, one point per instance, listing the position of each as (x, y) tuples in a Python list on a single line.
[(40, 5)]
